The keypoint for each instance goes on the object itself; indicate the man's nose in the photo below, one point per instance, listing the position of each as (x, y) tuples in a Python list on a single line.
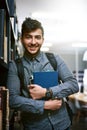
[(33, 40)]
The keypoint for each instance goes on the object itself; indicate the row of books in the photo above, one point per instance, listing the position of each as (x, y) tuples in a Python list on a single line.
[(9, 5), (8, 30), (4, 108), (3, 40), (4, 51)]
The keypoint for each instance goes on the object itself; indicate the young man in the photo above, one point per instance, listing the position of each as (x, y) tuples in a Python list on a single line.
[(36, 112)]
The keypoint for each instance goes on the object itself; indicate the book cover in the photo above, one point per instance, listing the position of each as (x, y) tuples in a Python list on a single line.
[(45, 79)]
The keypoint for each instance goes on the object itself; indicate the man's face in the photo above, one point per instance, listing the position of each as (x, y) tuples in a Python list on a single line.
[(32, 41)]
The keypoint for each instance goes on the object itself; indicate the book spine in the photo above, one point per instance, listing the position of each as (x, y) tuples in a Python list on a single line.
[(2, 12), (0, 109), (7, 109), (5, 117), (4, 94), (12, 7), (5, 50), (0, 119)]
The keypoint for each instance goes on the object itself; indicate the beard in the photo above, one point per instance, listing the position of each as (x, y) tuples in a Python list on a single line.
[(29, 53)]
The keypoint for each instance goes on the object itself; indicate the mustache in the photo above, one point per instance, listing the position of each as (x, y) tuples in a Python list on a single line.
[(33, 45)]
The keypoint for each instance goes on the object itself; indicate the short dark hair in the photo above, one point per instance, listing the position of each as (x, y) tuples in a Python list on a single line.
[(30, 25)]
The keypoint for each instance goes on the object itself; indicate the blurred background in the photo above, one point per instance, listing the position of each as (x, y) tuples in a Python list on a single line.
[(65, 26)]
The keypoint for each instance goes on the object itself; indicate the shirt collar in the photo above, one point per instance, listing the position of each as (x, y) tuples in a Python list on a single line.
[(38, 57)]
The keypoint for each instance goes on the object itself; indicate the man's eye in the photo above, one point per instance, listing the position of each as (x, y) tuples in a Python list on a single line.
[(27, 36), (38, 37)]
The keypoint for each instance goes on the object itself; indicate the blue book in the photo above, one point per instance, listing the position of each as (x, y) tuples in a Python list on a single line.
[(45, 79)]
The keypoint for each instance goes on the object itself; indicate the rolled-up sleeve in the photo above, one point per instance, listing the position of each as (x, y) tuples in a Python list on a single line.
[(16, 100)]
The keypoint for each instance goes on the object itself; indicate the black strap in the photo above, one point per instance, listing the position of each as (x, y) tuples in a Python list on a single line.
[(20, 70), (52, 60)]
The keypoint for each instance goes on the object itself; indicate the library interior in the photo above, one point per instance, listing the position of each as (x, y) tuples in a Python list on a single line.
[(65, 27)]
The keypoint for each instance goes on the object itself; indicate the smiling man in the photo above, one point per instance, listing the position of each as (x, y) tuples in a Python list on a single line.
[(39, 110), (32, 37)]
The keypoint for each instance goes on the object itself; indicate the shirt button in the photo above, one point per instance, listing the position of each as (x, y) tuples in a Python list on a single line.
[(49, 114), (38, 111)]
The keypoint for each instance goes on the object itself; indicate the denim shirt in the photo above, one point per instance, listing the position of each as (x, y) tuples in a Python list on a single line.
[(34, 116)]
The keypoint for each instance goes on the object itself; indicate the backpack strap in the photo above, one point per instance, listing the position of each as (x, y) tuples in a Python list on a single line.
[(14, 113), (20, 70), (52, 60)]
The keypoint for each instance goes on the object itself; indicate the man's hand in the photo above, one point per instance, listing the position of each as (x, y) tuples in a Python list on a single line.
[(36, 91), (53, 104)]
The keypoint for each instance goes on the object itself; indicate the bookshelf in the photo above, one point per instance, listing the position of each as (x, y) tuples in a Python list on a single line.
[(8, 36), (8, 52)]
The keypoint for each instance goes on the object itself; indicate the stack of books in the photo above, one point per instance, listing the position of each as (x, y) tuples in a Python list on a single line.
[(4, 108)]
